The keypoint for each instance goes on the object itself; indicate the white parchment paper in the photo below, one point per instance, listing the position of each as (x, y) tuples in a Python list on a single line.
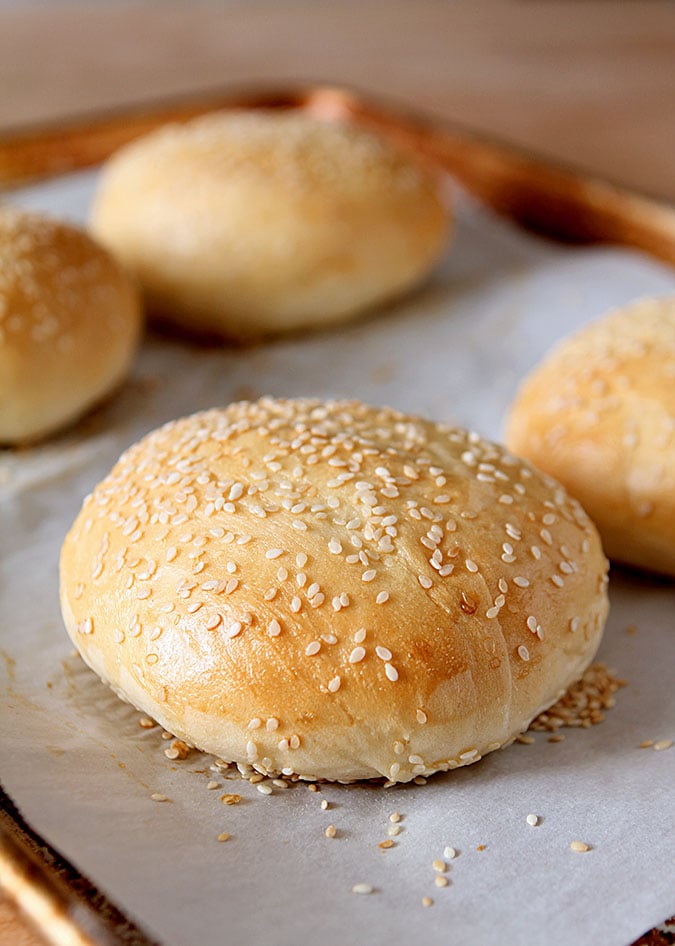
[(82, 771)]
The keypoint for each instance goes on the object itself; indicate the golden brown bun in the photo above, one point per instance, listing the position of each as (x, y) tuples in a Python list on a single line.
[(69, 324), (333, 590), (599, 414), (248, 224)]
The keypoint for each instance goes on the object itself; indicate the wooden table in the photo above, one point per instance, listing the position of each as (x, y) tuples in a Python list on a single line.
[(590, 84)]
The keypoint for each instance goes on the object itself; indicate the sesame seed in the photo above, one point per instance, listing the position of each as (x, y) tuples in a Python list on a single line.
[(395, 817), (521, 582), (450, 853), (523, 652), (360, 636), (274, 553), (662, 744), (273, 628), (330, 831), (223, 836), (471, 565), (424, 581), (382, 597), (230, 798), (334, 684), (441, 881), (357, 655), (368, 575), (324, 805), (439, 865), (362, 888), (272, 724), (312, 648), (383, 653), (296, 604), (264, 788), (580, 847), (492, 613), (385, 845), (427, 902), (391, 672), (532, 820), (213, 622), (394, 829), (157, 796), (234, 629), (212, 785), (421, 717), (254, 723)]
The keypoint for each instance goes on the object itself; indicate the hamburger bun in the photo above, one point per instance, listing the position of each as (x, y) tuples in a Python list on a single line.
[(69, 325), (599, 414), (331, 590), (244, 225)]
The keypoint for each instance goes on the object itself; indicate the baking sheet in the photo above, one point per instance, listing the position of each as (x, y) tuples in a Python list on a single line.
[(82, 770)]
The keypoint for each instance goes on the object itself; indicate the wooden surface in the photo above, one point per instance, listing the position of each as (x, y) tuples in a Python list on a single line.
[(590, 84)]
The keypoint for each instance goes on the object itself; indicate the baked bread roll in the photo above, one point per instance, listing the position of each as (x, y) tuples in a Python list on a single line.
[(599, 415), (249, 224), (333, 591), (69, 324)]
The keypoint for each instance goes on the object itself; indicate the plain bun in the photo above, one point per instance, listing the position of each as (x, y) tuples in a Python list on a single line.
[(332, 590), (599, 415), (249, 224), (69, 324)]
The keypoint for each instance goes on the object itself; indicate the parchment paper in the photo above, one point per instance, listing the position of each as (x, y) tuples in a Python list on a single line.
[(82, 771)]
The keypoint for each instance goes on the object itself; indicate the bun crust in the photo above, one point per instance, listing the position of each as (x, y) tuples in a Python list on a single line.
[(250, 224), (599, 415), (69, 324), (333, 590)]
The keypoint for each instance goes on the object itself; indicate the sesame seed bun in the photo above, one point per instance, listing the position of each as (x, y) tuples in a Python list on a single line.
[(69, 324), (332, 590), (249, 224), (599, 414)]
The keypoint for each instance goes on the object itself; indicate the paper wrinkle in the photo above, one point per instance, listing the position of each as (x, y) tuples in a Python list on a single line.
[(82, 771)]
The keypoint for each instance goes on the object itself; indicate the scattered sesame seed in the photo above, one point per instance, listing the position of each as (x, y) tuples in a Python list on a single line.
[(146, 723), (362, 888), (421, 717), (532, 820), (385, 845), (449, 853), (264, 788), (395, 817), (580, 846), (662, 744), (157, 796), (427, 902), (441, 881), (330, 831), (223, 836), (439, 865), (212, 785), (394, 830), (324, 804), (230, 798), (523, 652)]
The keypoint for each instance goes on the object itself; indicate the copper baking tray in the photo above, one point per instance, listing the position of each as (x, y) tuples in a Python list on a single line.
[(559, 202)]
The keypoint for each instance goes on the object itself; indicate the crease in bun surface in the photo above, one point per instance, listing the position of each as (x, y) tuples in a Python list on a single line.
[(70, 323), (331, 590), (246, 224), (598, 413)]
